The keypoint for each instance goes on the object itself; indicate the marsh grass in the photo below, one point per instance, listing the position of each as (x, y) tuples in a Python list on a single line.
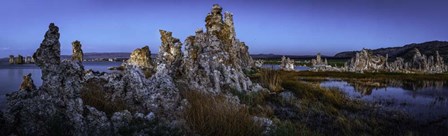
[(215, 115), (270, 79), (93, 94)]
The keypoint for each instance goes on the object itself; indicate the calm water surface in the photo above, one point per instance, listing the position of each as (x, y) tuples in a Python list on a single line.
[(426, 101)]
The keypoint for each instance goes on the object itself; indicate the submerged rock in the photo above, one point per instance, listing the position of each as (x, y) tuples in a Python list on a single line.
[(77, 51)]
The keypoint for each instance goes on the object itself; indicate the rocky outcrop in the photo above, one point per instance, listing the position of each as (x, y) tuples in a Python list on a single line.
[(170, 54), (27, 83), (365, 61), (77, 51), (50, 48), (11, 59), (420, 63), (38, 112), (319, 61), (287, 64), (259, 63), (29, 60), (141, 57), (214, 60), (20, 59)]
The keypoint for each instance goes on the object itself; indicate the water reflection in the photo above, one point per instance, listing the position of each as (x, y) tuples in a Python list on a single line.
[(425, 100)]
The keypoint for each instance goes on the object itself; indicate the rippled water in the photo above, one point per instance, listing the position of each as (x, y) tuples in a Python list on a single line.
[(11, 75), (424, 100)]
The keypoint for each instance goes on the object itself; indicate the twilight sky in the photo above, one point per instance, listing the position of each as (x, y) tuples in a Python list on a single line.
[(294, 27)]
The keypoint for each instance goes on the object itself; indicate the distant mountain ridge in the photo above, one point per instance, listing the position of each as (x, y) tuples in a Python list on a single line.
[(407, 51)]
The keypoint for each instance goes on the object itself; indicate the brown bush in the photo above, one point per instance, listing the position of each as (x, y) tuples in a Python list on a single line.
[(93, 94), (214, 115), (271, 79)]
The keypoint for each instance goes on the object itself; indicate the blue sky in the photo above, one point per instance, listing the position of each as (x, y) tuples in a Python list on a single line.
[(294, 27)]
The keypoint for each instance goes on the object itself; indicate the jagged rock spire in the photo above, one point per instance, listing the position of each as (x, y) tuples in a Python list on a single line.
[(141, 57), (77, 51), (49, 51)]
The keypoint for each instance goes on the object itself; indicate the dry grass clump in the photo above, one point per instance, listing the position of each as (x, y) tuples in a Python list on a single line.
[(215, 115), (270, 79), (93, 94)]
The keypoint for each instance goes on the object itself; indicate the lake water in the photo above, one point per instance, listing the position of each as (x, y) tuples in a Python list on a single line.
[(424, 100), (11, 75)]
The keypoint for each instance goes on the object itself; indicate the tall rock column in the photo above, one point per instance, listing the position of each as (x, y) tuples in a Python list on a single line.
[(170, 54), (77, 51)]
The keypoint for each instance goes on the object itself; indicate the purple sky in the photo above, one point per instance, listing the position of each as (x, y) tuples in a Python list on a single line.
[(296, 27)]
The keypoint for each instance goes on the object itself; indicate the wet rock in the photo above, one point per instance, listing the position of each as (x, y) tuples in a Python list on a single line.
[(27, 83), (287, 64), (77, 51)]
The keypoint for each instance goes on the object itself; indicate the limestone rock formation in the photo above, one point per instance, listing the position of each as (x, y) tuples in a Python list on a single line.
[(318, 61), (19, 60), (431, 64), (141, 57), (398, 65), (365, 61), (27, 83), (170, 54), (34, 110), (29, 60), (287, 64), (50, 48), (215, 60), (259, 63), (77, 51), (11, 59)]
